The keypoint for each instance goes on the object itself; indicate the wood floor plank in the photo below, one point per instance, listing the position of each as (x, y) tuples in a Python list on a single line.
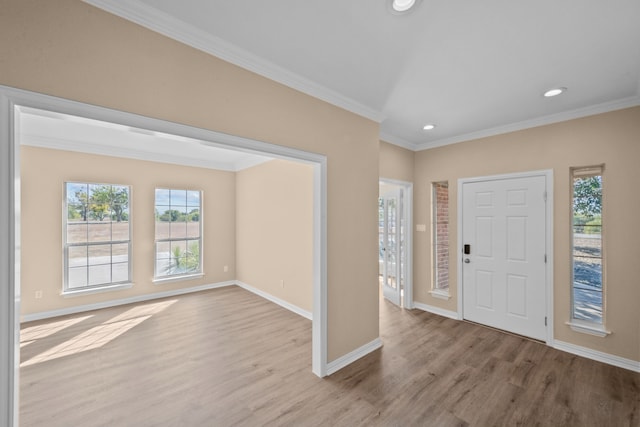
[(227, 357)]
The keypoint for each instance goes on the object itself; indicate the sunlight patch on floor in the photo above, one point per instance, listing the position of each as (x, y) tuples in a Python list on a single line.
[(33, 333), (95, 337)]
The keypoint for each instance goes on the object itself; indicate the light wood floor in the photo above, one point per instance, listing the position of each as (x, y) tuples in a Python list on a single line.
[(227, 357)]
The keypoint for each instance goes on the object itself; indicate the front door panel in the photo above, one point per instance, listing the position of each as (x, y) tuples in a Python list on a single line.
[(504, 274)]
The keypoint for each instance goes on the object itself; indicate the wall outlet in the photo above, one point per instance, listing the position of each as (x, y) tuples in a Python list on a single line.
[(421, 227), (282, 283), (38, 294), (226, 268)]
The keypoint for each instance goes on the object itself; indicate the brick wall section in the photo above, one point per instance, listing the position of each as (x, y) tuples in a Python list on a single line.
[(441, 244)]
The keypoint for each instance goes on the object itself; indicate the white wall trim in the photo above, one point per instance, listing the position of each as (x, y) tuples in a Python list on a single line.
[(9, 264), (591, 110), (396, 140), (123, 301), (548, 174), (609, 359), (176, 29), (276, 300), (351, 357), (436, 310)]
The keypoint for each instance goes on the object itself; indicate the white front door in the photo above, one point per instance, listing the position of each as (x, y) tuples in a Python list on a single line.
[(391, 233), (504, 260)]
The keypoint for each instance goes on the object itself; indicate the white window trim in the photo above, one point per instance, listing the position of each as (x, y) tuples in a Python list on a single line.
[(67, 293), (181, 276), (437, 292), (177, 278), (103, 287), (579, 325), (440, 293), (590, 328)]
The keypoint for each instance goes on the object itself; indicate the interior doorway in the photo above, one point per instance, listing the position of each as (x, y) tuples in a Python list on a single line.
[(394, 237), (10, 220)]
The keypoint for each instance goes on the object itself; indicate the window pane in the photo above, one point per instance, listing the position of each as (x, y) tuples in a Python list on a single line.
[(100, 254), (162, 230), (178, 198), (77, 232), (99, 232), (99, 274), (441, 234), (77, 256), (163, 250), (193, 229), (178, 230), (120, 231), (120, 252), (77, 201), (178, 247), (193, 198), (77, 277), (120, 272), (162, 196), (192, 263)]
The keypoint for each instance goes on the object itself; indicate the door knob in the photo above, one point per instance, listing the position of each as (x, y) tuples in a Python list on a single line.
[(467, 260)]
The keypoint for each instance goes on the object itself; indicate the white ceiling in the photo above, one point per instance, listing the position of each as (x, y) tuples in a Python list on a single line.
[(59, 131), (474, 68)]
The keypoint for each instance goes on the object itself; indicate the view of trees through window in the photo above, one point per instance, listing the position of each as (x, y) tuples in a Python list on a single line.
[(587, 245), (97, 235), (178, 232)]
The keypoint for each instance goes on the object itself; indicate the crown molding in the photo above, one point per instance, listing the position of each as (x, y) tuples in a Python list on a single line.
[(591, 110), (395, 140), (176, 29)]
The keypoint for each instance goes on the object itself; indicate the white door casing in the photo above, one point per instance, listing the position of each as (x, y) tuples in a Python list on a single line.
[(504, 275)]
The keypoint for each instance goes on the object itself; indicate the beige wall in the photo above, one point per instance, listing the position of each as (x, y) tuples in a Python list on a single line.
[(274, 230), (396, 162), (72, 50), (43, 174), (613, 139)]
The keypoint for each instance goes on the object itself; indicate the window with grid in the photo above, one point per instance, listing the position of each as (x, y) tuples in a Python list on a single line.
[(586, 238), (178, 236), (97, 236), (440, 233)]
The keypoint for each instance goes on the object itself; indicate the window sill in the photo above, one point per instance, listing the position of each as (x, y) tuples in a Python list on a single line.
[(440, 293), (588, 328), (81, 292), (180, 278)]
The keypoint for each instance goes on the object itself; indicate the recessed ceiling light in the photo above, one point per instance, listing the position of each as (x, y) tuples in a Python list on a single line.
[(429, 127), (555, 92), (402, 5)]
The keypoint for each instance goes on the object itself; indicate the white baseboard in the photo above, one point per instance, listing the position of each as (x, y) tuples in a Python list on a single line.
[(276, 300), (436, 310), (599, 356), (351, 357), (113, 303)]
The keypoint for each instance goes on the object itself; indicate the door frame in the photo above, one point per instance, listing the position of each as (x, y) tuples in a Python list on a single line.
[(10, 222), (407, 300), (548, 175)]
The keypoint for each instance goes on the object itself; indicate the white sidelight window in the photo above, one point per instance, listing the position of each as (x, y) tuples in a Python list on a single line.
[(440, 235), (587, 284)]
